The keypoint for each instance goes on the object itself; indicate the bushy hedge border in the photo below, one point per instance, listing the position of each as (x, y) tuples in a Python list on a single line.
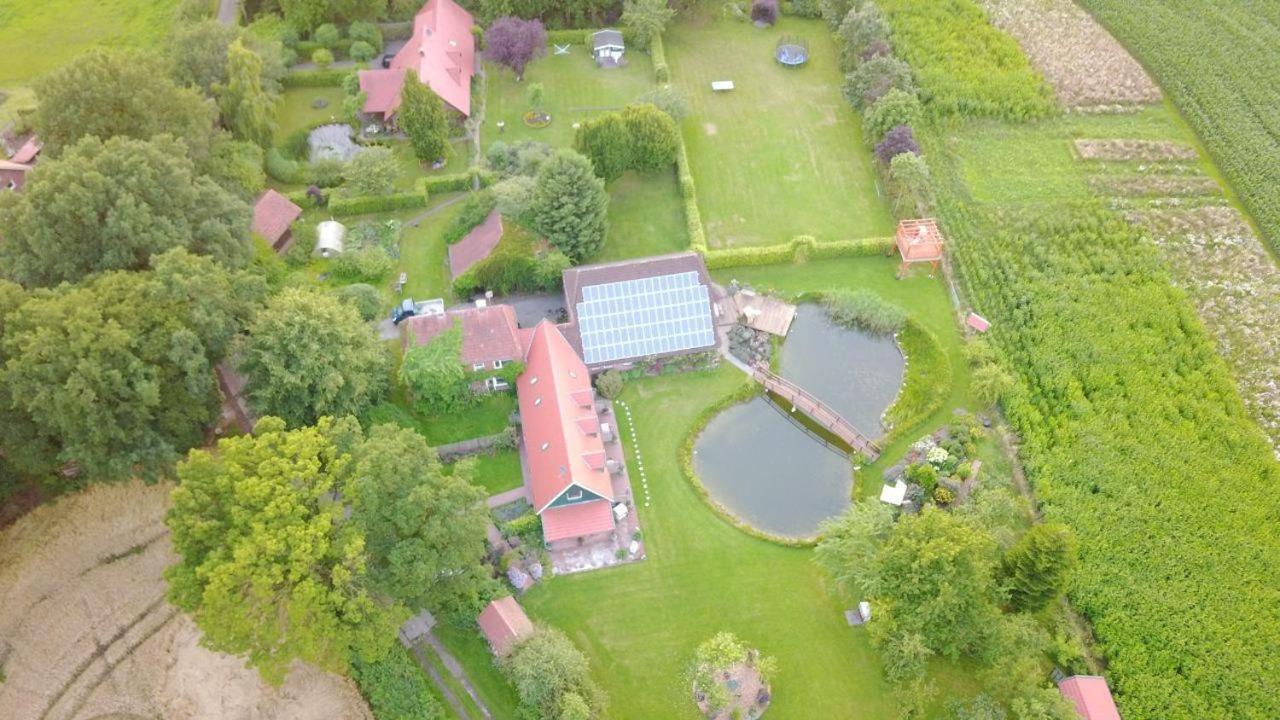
[(744, 393), (799, 249), (368, 204), (582, 36), (457, 182), (926, 382), (658, 53), (689, 198), (314, 78)]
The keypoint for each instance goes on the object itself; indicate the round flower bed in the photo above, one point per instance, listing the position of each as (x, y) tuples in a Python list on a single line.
[(731, 680), (536, 119)]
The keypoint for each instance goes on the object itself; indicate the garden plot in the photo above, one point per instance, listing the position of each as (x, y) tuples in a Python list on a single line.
[(1088, 69), (88, 632), (1147, 151), (1222, 265)]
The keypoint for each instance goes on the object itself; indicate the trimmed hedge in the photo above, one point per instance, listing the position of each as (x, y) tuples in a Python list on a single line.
[(376, 203), (314, 78), (283, 169), (582, 36), (689, 197), (457, 182), (658, 52), (800, 249)]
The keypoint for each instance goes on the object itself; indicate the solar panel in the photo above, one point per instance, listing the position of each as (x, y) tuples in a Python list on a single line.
[(645, 316)]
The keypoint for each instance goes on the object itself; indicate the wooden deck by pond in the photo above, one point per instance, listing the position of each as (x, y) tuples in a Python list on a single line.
[(817, 411)]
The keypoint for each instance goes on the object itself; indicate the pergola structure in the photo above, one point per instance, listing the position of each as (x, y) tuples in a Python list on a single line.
[(919, 241)]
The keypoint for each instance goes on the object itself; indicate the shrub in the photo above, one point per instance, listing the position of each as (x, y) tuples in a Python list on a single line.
[(366, 32), (895, 108), (764, 11), (897, 141), (395, 687), (362, 51), (325, 173), (943, 495), (606, 141), (322, 57), (609, 384), (911, 185), (367, 204), (859, 30), (514, 266), (803, 8), (369, 263), (371, 172), (434, 376), (474, 210), (513, 196), (327, 35), (871, 80), (654, 137), (547, 667), (669, 100), (520, 158), (364, 298), (314, 78), (865, 311), (283, 169)]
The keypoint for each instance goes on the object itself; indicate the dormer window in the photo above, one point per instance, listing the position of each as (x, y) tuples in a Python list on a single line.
[(573, 374), (537, 401), (533, 380), (545, 445)]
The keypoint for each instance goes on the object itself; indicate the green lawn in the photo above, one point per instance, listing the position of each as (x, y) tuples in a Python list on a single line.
[(296, 111), (423, 256), (486, 417), (473, 652), (781, 154), (575, 89), (646, 217), (498, 471)]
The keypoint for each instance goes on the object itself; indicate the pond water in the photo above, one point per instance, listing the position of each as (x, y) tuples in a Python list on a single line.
[(856, 373), (764, 468), (767, 471)]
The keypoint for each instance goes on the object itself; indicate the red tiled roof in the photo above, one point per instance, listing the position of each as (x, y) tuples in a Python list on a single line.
[(504, 624), (272, 216), (1090, 695), (919, 240), (488, 333), (476, 246), (977, 322), (558, 453), (442, 51), (27, 153), (589, 425), (381, 90), (571, 521)]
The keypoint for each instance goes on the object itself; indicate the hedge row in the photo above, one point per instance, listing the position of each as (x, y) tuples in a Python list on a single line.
[(658, 53), (927, 381), (314, 78), (689, 196), (580, 36), (800, 249), (377, 203), (457, 182)]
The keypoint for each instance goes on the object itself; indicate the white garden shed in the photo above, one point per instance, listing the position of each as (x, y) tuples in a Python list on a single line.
[(330, 236)]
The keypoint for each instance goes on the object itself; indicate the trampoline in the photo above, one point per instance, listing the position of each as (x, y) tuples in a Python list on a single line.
[(792, 51)]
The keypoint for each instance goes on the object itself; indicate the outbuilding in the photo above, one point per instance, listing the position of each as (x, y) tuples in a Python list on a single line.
[(1090, 696), (607, 47), (330, 238), (504, 624), (273, 216)]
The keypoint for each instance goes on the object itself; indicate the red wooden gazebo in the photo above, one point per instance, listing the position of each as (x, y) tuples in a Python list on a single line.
[(919, 241)]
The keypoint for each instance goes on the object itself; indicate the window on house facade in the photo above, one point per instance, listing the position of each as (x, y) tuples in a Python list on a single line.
[(497, 364), (574, 494), (477, 366)]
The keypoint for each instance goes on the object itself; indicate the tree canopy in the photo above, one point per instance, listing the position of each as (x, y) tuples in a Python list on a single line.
[(116, 374), (244, 105), (111, 206), (514, 42), (434, 375), (307, 356), (570, 206), (269, 566), (110, 93), (422, 117), (646, 19), (546, 667), (1037, 568)]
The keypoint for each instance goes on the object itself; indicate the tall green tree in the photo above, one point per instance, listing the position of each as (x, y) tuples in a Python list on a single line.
[(112, 205), (1037, 568), (371, 172), (434, 375), (269, 566), (110, 93), (605, 140), (654, 137), (197, 53), (424, 530), (306, 15), (646, 19), (245, 107), (308, 356), (422, 117), (570, 206), (116, 374), (544, 668), (848, 545)]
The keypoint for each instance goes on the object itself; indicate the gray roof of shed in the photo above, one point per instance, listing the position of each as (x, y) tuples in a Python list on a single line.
[(606, 38)]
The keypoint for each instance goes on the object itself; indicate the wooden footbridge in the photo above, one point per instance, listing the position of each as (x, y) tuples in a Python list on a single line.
[(816, 410)]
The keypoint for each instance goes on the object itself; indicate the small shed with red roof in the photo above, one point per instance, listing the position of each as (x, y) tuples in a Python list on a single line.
[(563, 449), (490, 337), (476, 245), (1091, 697), (13, 175), (441, 52), (504, 625), (919, 241), (273, 216)]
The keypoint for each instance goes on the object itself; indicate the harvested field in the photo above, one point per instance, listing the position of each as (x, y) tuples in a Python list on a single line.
[(1088, 69), (1221, 264), (1134, 150), (85, 631)]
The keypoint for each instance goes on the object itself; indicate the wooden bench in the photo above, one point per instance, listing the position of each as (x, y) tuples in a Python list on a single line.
[(721, 85)]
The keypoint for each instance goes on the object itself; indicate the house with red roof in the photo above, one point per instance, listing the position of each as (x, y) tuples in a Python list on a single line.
[(564, 455), (13, 175), (441, 53), (504, 624), (273, 218), (1091, 697), (476, 245), (490, 337)]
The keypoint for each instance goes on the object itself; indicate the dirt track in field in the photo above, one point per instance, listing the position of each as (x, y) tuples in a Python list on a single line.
[(86, 632)]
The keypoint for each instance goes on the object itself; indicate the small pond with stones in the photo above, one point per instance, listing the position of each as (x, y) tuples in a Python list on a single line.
[(764, 467)]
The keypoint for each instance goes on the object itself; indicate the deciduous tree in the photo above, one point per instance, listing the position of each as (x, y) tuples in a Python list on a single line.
[(422, 117), (897, 107), (112, 205), (654, 137), (849, 543), (197, 53), (864, 25), (606, 141), (269, 566), (872, 79), (434, 375), (646, 19), (547, 666), (570, 206), (307, 356), (513, 43), (372, 171), (243, 104)]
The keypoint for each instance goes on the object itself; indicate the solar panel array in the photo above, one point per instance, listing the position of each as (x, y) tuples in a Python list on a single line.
[(647, 316)]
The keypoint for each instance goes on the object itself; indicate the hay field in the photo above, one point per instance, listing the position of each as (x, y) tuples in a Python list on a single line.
[(86, 633)]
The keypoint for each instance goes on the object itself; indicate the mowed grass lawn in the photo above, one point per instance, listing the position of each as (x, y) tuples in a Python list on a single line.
[(645, 217), (575, 90), (782, 154)]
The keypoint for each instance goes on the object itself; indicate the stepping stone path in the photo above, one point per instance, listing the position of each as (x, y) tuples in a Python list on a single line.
[(635, 445)]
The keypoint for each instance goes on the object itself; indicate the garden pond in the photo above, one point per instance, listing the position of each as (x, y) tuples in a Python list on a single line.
[(763, 465)]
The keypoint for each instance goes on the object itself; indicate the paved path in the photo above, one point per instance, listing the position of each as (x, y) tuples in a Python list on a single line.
[(416, 219), (229, 12), (455, 669), (441, 685), (509, 496)]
